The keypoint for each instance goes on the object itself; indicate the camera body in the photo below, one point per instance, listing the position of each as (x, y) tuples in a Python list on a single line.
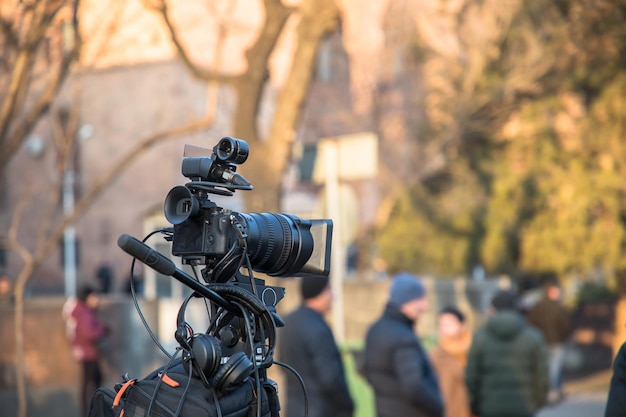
[(206, 235)]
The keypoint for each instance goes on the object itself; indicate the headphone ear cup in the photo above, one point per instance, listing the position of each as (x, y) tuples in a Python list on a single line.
[(207, 353), (233, 372)]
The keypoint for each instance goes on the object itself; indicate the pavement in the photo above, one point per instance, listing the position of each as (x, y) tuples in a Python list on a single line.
[(584, 398)]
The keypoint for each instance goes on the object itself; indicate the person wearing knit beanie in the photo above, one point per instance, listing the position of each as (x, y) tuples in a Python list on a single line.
[(405, 287), (307, 344), (311, 287), (394, 362)]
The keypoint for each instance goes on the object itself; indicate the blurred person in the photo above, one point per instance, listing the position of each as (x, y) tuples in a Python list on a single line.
[(134, 281), (307, 344), (6, 290), (507, 369), (104, 275), (553, 320), (449, 357), (616, 402), (394, 361), (85, 331)]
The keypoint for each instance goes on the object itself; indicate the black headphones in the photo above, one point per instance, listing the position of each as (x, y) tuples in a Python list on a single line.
[(203, 352)]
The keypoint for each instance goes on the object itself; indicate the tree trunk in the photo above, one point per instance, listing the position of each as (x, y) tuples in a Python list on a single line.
[(270, 158)]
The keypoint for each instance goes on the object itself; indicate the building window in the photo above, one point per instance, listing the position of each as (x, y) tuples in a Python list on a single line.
[(4, 192), (324, 60), (163, 282), (3, 256), (76, 251)]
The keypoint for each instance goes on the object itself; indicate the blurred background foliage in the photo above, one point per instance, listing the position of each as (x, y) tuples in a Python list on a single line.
[(537, 180)]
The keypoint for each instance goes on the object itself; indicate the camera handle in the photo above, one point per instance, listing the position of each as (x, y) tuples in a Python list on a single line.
[(165, 266)]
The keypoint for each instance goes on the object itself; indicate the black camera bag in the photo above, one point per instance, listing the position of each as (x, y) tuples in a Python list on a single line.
[(167, 395)]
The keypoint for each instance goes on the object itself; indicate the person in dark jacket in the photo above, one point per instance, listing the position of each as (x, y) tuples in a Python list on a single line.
[(307, 344), (553, 320), (616, 402), (507, 369), (85, 331), (394, 361)]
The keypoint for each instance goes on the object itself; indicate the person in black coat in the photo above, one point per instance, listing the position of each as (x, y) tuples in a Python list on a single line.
[(307, 344), (616, 403), (394, 362), (551, 317)]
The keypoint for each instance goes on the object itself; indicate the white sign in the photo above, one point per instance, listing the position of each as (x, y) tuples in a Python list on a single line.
[(357, 157)]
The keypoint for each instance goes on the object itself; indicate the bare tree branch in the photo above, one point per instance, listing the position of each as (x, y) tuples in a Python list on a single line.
[(160, 6), (249, 85), (11, 137), (7, 31)]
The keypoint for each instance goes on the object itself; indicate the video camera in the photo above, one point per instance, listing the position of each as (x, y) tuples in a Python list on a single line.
[(276, 244), (240, 340)]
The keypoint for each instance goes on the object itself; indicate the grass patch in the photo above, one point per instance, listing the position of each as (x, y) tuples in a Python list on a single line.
[(360, 390)]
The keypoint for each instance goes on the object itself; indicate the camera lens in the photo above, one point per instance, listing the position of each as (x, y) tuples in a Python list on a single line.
[(232, 150), (284, 245)]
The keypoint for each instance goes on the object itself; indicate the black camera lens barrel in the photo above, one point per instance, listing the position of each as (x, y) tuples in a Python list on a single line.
[(278, 244)]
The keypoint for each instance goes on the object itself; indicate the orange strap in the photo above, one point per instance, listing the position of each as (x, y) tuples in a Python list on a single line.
[(169, 381), (121, 392)]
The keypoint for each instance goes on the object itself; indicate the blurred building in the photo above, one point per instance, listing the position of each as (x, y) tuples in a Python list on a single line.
[(131, 85)]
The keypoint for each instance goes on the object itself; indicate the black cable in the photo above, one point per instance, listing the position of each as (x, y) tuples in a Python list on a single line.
[(218, 408), (225, 264), (218, 314), (232, 255), (250, 275), (184, 395), (256, 369), (158, 384), (250, 331), (136, 303), (259, 392), (306, 398)]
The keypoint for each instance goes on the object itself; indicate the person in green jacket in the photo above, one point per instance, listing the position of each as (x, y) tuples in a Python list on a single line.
[(507, 369)]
